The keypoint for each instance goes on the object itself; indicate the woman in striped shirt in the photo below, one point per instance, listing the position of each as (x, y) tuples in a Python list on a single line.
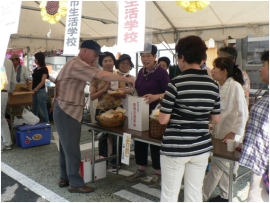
[(191, 102)]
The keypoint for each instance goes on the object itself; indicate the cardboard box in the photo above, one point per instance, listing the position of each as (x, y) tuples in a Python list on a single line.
[(20, 95), (33, 135), (138, 114), (86, 169)]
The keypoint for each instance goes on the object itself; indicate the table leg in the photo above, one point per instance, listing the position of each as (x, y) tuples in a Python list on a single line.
[(231, 182), (93, 155), (117, 155)]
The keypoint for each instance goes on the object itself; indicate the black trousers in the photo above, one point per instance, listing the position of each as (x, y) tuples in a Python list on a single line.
[(103, 145), (141, 154)]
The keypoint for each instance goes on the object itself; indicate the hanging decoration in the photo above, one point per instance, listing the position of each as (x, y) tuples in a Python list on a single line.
[(193, 6), (52, 11)]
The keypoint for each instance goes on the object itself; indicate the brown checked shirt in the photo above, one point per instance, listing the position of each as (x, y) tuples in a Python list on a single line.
[(70, 84)]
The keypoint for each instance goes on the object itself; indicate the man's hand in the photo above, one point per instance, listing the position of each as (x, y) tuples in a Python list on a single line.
[(131, 81)]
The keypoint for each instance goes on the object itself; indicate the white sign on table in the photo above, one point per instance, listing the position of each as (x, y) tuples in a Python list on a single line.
[(73, 28), (131, 25), (126, 148)]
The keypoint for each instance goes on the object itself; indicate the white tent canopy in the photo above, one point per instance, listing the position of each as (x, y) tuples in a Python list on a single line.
[(165, 21)]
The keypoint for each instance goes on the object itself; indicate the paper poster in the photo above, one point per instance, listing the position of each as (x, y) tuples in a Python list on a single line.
[(126, 148)]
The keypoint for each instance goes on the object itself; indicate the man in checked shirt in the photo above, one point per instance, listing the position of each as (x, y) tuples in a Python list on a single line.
[(255, 151), (68, 111)]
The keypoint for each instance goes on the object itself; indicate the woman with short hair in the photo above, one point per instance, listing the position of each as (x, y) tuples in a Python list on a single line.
[(99, 90), (190, 103)]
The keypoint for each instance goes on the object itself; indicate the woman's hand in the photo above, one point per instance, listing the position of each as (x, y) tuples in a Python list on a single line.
[(149, 98), (239, 148), (120, 93), (106, 87), (228, 136)]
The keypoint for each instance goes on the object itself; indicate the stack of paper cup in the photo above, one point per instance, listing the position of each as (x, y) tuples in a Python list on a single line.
[(230, 145)]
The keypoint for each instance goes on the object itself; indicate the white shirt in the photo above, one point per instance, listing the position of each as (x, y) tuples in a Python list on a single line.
[(234, 116), (24, 74), (11, 75)]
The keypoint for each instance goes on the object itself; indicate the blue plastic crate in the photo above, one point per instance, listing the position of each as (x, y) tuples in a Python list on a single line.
[(33, 135)]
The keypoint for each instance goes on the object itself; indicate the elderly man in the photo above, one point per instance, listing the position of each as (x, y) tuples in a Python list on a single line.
[(11, 78), (22, 73), (68, 111)]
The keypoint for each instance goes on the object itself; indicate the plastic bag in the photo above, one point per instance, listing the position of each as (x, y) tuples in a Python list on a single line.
[(4, 80), (155, 112), (29, 117), (18, 121)]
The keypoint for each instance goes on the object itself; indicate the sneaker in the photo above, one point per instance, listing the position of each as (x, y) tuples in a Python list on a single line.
[(7, 147), (155, 182), (137, 175), (218, 199)]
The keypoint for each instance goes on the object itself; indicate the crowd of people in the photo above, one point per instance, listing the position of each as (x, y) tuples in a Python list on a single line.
[(196, 105)]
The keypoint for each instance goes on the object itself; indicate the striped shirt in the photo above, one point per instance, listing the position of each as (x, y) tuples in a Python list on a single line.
[(70, 84), (190, 98), (255, 151)]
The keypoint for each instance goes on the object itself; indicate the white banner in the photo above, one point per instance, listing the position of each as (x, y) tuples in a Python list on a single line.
[(9, 21), (131, 25), (73, 27), (126, 148), (9, 15)]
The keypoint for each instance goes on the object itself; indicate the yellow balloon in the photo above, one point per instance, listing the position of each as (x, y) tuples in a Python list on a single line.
[(46, 18), (202, 5), (184, 4), (57, 17), (62, 12), (43, 4)]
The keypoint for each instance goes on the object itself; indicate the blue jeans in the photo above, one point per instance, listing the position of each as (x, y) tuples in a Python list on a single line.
[(40, 105)]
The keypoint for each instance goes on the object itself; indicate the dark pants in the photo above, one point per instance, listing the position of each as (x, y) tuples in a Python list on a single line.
[(69, 132), (103, 145), (141, 154)]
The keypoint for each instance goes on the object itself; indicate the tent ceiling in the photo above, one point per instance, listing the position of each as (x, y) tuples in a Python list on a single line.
[(219, 20)]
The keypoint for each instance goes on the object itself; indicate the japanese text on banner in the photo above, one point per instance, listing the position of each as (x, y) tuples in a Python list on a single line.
[(73, 27), (131, 25)]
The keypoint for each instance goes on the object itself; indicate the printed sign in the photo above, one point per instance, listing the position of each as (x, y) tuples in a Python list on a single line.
[(73, 28), (131, 25), (126, 148)]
